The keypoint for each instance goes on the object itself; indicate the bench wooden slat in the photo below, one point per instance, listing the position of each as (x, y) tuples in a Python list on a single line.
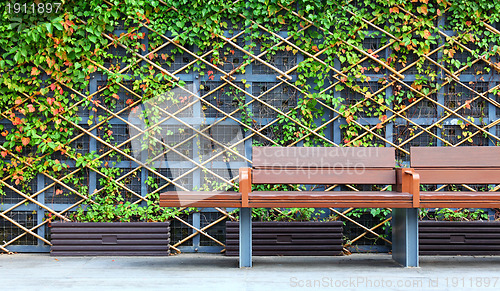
[(326, 195), (460, 195), (201, 204), (458, 176), (324, 176), (330, 199), (323, 157), (474, 156), (200, 199), (333, 204), (459, 204)]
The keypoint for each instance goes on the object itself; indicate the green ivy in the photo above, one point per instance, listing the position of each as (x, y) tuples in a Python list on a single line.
[(47, 61)]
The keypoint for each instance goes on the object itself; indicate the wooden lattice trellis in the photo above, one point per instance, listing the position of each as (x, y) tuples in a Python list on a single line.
[(254, 101)]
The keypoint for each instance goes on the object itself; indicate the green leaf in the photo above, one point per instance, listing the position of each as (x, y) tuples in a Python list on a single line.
[(115, 14), (49, 27)]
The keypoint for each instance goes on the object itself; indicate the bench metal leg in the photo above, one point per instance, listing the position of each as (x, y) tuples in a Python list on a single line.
[(405, 236), (245, 237)]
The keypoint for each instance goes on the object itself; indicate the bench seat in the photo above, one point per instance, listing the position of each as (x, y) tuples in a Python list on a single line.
[(200, 199), (339, 199), (269, 199), (462, 199)]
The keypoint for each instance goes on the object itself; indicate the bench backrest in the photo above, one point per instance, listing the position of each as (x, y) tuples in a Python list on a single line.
[(457, 165), (323, 165)]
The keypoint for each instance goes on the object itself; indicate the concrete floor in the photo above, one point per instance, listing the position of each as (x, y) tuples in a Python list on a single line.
[(216, 272)]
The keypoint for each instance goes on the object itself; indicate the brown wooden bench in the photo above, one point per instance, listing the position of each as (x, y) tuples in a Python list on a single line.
[(457, 165), (316, 166), (327, 166)]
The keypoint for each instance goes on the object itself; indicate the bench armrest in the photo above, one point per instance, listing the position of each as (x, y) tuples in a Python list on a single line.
[(245, 185), (409, 181)]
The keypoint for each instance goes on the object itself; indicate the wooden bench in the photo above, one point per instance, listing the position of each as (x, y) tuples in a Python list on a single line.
[(327, 166), (316, 166), (457, 165)]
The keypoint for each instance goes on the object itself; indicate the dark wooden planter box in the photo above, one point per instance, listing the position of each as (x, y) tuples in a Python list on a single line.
[(464, 238), (110, 239), (288, 238)]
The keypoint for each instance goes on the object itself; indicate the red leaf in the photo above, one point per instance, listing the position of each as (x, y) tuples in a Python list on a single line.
[(19, 148), (315, 48), (17, 121), (31, 108), (423, 9), (52, 86), (467, 104), (35, 71), (25, 141), (427, 34), (394, 9), (4, 154)]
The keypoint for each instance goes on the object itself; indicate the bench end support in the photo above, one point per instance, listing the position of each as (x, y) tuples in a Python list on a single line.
[(405, 236), (245, 237)]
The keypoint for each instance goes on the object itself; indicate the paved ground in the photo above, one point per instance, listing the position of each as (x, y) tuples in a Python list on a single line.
[(216, 272)]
